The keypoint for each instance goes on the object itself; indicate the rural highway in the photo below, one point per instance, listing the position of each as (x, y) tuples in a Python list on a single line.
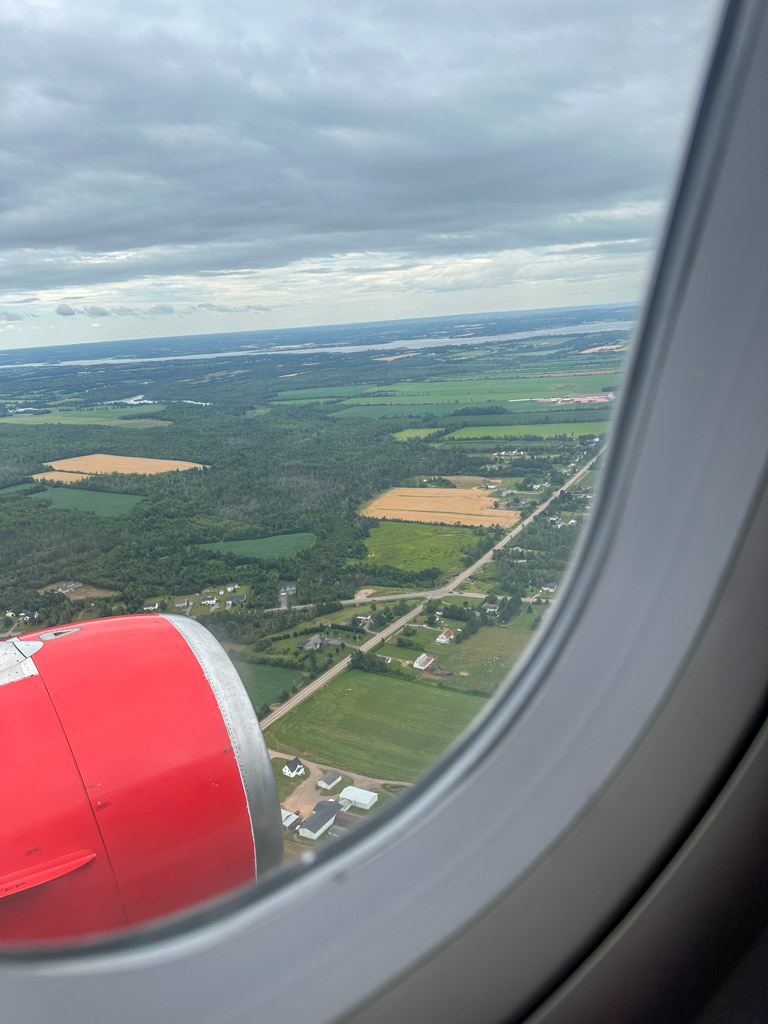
[(392, 627)]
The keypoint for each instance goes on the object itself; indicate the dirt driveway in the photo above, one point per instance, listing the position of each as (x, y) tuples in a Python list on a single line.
[(306, 794)]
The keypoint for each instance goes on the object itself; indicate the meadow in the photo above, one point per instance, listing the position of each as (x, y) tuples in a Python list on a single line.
[(376, 725), (481, 662), (103, 417), (101, 503), (413, 432), (530, 430), (417, 546), (284, 545), (265, 683)]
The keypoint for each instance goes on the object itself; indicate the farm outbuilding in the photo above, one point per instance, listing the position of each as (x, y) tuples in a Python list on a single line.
[(329, 780), (424, 661), (362, 798), (321, 820), (289, 818)]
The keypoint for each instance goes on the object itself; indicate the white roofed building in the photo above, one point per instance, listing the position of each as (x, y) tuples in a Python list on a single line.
[(355, 797)]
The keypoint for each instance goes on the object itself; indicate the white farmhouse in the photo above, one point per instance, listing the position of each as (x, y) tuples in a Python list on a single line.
[(293, 768)]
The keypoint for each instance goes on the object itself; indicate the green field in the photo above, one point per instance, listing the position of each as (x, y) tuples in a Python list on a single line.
[(376, 725), (284, 545), (73, 499), (108, 416), (486, 657), (393, 651), (407, 435), (531, 429), (17, 487), (418, 546), (411, 396), (264, 683)]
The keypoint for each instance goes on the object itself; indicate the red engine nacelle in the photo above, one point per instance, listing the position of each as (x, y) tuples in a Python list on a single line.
[(136, 781)]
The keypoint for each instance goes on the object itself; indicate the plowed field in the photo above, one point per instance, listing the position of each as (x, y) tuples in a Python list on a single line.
[(119, 464), (468, 507)]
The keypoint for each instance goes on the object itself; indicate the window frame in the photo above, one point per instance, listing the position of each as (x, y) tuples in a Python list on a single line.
[(519, 855)]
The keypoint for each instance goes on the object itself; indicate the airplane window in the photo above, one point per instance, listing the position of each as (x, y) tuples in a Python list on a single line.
[(314, 326)]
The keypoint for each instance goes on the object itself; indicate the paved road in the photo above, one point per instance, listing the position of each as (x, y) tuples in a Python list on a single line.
[(451, 587)]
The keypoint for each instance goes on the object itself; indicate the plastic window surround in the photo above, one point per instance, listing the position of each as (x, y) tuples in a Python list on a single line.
[(518, 854)]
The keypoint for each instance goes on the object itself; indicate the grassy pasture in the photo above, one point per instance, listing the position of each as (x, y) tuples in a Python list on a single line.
[(264, 683), (395, 411), (481, 662), (108, 416), (72, 499), (418, 545), (15, 487), (401, 653), (375, 725), (497, 390), (530, 429), (410, 434), (283, 545)]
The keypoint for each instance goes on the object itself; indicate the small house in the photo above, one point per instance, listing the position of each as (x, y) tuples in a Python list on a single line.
[(445, 637), (313, 644), (424, 661), (151, 607), (293, 768), (329, 780)]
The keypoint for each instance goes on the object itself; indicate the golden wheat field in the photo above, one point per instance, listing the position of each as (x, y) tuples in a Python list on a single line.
[(56, 476), (89, 464), (440, 505)]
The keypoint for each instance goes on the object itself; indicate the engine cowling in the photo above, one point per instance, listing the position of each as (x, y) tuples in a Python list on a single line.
[(136, 781)]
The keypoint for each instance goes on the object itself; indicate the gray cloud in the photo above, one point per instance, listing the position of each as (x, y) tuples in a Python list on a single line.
[(216, 307), (64, 310), (9, 317), (187, 140)]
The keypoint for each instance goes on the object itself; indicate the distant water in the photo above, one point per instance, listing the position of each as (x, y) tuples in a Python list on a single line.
[(591, 327)]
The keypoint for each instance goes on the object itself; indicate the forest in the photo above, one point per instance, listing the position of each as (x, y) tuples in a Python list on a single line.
[(276, 467)]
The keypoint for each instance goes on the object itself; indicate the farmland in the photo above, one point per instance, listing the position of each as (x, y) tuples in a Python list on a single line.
[(482, 662), (94, 464), (102, 417), (440, 505), (530, 430), (58, 476), (265, 683), (71, 499), (281, 546), (418, 545), (410, 434), (375, 725)]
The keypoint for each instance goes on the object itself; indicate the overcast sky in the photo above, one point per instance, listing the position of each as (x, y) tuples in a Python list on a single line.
[(183, 168)]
